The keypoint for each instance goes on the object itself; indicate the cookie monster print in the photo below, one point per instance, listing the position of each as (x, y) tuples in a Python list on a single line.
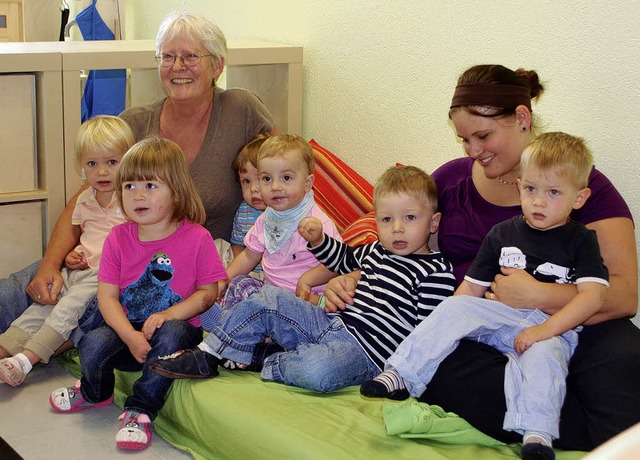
[(151, 293)]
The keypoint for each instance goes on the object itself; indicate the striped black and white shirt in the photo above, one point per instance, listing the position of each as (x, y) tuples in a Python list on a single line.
[(394, 294)]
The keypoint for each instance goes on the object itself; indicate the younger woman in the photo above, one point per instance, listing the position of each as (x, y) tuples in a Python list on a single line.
[(158, 273), (43, 328)]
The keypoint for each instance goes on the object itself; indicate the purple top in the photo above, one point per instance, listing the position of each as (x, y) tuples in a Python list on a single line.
[(467, 217)]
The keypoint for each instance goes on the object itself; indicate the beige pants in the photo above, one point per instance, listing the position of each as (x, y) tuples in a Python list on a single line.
[(42, 329)]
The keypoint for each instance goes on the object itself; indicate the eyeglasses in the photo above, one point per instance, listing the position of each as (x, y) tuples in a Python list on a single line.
[(189, 59)]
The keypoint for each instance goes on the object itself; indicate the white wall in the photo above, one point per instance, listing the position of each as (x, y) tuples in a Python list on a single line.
[(378, 76)]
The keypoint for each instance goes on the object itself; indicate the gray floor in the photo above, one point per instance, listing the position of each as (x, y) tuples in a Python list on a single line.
[(37, 432)]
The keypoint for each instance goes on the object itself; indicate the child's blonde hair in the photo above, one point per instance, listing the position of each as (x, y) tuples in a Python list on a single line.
[(407, 180), (280, 144), (156, 159), (566, 155), (248, 154), (103, 132)]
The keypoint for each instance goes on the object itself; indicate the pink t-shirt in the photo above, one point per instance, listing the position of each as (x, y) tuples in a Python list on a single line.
[(95, 223), (153, 275), (284, 267)]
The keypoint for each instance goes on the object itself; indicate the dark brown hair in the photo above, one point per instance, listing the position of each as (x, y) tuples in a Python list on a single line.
[(248, 154), (495, 74)]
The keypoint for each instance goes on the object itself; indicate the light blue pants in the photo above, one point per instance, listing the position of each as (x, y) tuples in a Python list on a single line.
[(534, 381), (321, 354)]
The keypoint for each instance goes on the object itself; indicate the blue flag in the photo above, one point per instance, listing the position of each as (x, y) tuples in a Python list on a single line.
[(105, 90)]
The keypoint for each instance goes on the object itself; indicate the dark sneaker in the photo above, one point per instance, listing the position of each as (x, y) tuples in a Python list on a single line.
[(537, 451), (186, 364)]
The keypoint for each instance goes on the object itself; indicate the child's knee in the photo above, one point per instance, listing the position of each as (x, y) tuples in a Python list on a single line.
[(175, 335), (301, 370)]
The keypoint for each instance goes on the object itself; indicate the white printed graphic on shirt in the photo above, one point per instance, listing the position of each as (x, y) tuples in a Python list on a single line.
[(561, 273), (512, 257)]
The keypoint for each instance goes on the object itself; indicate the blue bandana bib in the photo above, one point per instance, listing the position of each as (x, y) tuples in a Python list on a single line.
[(280, 225)]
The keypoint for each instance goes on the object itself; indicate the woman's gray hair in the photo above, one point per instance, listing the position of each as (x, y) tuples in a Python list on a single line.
[(194, 26)]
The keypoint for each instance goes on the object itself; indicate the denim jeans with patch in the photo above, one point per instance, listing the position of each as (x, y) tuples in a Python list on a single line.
[(321, 354)]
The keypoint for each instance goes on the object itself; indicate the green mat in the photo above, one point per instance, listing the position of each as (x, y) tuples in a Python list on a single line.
[(237, 415)]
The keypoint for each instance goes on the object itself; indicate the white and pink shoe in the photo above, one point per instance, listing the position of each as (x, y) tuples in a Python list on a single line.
[(135, 431), (70, 399)]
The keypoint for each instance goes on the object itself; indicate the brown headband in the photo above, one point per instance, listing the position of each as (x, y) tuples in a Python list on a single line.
[(492, 95)]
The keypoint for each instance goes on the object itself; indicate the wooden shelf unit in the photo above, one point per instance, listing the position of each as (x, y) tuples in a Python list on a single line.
[(271, 70)]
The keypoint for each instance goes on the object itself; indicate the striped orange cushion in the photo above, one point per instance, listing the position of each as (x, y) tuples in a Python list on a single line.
[(341, 192), (362, 231)]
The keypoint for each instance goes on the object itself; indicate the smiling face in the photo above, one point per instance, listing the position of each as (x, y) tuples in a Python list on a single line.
[(405, 223), (181, 82), (100, 168), (284, 180), (250, 183), (547, 198), (149, 203), (494, 143)]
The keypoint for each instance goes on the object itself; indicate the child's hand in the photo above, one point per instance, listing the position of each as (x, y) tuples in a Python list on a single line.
[(76, 261), (303, 291), (154, 322), (310, 228), (529, 336), (138, 346)]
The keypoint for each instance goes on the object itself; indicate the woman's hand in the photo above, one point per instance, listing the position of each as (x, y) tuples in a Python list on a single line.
[(339, 292), (515, 288), (45, 287)]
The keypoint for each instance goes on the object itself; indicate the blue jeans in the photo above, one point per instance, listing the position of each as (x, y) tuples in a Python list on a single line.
[(13, 296), (102, 351), (14, 301), (534, 382), (321, 354)]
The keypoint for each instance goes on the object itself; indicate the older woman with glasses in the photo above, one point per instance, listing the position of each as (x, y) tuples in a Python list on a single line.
[(210, 125)]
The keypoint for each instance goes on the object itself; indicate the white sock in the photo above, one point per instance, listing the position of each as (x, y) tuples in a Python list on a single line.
[(537, 436), (23, 361)]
